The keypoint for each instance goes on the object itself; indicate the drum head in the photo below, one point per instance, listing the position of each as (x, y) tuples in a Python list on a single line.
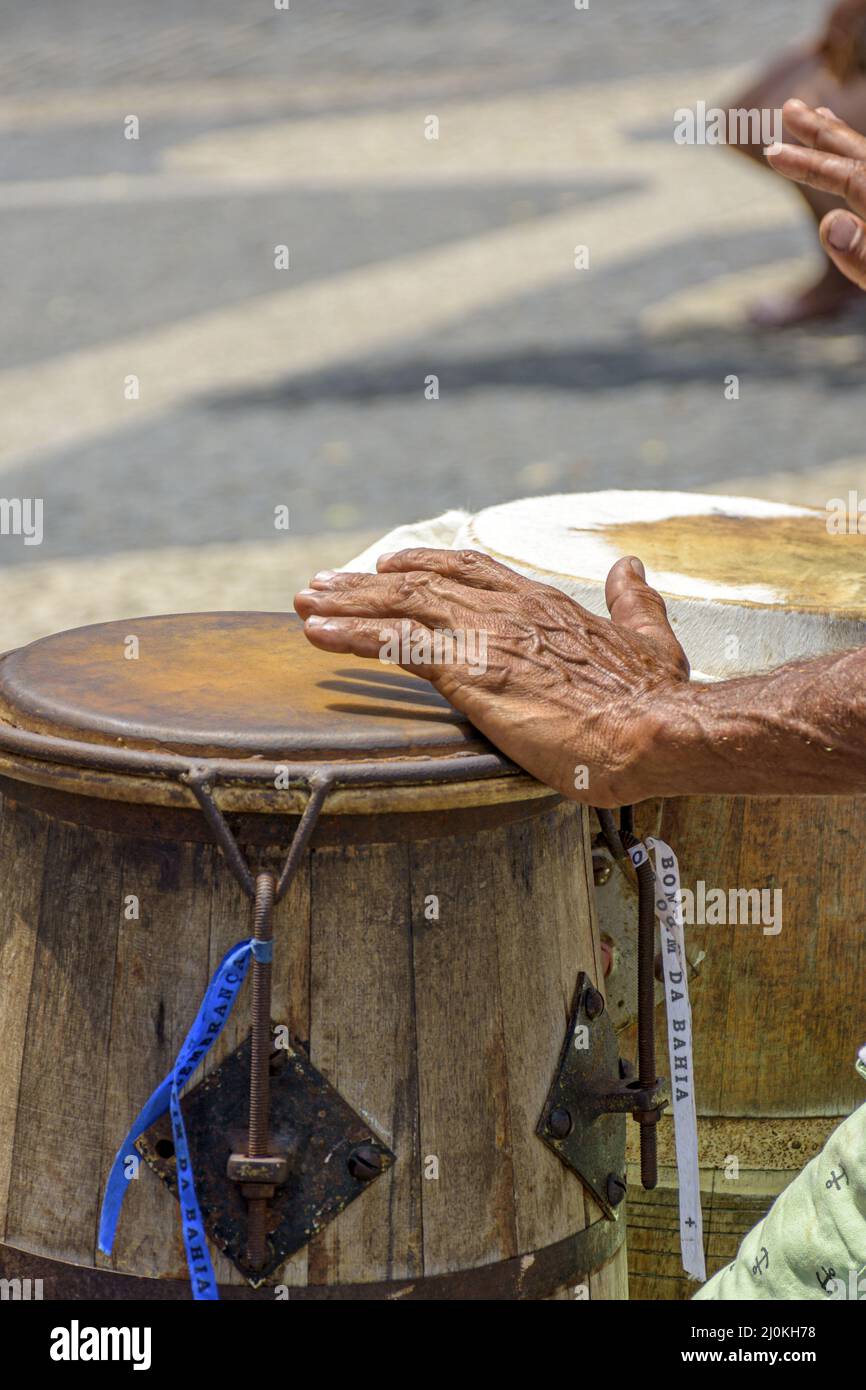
[(749, 584), (226, 685)]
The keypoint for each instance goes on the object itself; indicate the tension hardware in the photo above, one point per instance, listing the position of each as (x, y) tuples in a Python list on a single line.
[(323, 1156), (583, 1119), (258, 1169), (620, 842)]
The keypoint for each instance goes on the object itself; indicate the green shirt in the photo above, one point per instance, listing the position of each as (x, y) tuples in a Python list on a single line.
[(812, 1242)]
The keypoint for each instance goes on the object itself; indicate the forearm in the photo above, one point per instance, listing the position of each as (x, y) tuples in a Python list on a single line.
[(798, 730)]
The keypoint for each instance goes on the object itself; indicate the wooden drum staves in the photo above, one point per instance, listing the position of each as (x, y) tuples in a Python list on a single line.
[(425, 960), (778, 1016)]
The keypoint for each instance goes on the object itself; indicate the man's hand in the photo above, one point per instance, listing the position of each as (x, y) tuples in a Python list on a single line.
[(559, 689), (832, 157)]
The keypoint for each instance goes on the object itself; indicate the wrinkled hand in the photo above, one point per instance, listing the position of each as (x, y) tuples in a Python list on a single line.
[(558, 690), (832, 157)]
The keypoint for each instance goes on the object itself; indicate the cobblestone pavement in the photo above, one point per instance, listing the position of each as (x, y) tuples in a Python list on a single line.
[(164, 386)]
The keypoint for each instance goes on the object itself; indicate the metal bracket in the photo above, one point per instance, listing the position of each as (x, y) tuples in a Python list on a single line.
[(200, 782), (583, 1120), (332, 1155)]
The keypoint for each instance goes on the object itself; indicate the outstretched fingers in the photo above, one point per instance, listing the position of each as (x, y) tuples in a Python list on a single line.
[(831, 173), (424, 596), (401, 643), (832, 158), (820, 129)]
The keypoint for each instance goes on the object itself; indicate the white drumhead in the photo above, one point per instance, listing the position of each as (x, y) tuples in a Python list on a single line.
[(749, 584)]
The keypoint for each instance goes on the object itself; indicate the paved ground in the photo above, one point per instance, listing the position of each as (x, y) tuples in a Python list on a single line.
[(259, 387)]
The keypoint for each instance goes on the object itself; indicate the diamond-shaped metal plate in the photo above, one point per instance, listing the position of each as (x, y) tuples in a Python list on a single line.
[(586, 1077), (310, 1122)]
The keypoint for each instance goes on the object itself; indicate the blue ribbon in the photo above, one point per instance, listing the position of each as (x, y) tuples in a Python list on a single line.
[(209, 1023)]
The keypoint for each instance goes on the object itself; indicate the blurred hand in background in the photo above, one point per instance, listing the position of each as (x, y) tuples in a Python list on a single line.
[(827, 73), (831, 158)]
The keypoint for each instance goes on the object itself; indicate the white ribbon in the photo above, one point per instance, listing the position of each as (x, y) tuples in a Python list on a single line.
[(668, 906)]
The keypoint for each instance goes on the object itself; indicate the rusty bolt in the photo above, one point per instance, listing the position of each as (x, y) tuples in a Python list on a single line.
[(593, 1003), (601, 869), (365, 1163), (559, 1122), (615, 1189)]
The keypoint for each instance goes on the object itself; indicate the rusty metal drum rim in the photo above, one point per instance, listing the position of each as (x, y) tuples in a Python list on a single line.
[(238, 784), (534, 1275)]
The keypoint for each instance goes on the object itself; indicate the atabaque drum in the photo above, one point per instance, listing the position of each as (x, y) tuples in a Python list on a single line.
[(776, 923), (414, 985)]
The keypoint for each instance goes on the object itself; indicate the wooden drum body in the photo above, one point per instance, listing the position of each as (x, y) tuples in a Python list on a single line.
[(426, 956), (778, 1015), (777, 1019)]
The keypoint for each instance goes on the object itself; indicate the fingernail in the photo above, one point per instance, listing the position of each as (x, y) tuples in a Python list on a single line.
[(306, 593), (773, 149), (324, 575), (317, 621), (825, 111), (843, 233), (637, 566), (388, 555)]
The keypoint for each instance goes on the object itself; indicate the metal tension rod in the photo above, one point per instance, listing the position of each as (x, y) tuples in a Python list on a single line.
[(646, 1047), (259, 1171), (619, 841)]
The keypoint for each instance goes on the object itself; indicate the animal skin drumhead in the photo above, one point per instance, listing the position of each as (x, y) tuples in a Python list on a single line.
[(748, 583), (230, 684)]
